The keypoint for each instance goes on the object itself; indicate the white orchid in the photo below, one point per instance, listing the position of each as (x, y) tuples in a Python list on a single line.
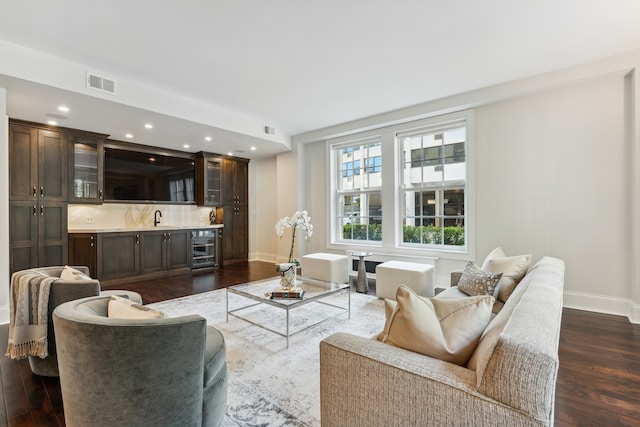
[(300, 219)]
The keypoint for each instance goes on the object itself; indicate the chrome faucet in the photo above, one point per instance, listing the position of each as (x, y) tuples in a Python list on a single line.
[(156, 221)]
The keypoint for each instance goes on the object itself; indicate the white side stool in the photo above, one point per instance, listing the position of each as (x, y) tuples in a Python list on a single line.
[(327, 267), (390, 275)]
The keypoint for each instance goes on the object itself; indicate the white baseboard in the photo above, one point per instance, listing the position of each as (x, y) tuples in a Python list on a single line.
[(603, 304)]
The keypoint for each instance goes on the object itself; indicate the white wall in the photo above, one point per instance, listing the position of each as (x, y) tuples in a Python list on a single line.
[(557, 160), (263, 196), (4, 208)]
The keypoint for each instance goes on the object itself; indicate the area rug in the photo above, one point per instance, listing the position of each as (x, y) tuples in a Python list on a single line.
[(270, 385)]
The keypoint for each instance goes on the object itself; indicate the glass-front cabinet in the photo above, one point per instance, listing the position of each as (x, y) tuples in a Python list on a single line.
[(86, 174), (208, 180)]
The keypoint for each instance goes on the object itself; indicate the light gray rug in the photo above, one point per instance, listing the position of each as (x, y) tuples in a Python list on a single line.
[(270, 385)]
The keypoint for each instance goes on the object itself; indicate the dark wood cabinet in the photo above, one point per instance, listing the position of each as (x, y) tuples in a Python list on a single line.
[(118, 255), (208, 180), (235, 195), (235, 181), (164, 250), (38, 234), (86, 168), (82, 251), (37, 197)]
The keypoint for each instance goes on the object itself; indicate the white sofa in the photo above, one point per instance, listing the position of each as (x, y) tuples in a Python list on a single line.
[(508, 381)]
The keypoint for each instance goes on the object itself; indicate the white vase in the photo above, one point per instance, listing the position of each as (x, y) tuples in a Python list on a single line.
[(288, 275)]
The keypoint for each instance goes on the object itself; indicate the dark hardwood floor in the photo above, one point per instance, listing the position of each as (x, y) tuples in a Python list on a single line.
[(598, 381)]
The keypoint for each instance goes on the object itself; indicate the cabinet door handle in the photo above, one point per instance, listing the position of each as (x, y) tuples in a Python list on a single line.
[(41, 191), (168, 237), (137, 239), (35, 212), (34, 191), (41, 210), (100, 194)]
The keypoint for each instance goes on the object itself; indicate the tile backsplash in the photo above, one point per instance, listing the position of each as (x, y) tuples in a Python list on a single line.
[(125, 215)]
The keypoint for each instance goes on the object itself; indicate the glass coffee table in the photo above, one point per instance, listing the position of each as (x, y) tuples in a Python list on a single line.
[(315, 291)]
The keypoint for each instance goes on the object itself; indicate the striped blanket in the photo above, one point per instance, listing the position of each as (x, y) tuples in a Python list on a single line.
[(29, 302)]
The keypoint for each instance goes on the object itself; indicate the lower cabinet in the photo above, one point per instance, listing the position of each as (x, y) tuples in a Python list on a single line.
[(235, 243), (160, 251), (118, 255), (37, 234), (122, 255)]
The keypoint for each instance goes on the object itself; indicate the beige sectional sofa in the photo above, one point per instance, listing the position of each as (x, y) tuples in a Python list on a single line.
[(509, 380)]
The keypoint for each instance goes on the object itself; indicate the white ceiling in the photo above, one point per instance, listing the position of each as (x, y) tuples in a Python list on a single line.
[(299, 65)]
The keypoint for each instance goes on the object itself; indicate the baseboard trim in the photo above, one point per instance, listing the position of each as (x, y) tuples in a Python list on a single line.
[(603, 304)]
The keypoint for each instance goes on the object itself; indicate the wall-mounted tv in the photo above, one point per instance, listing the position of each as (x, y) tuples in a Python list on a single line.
[(146, 177)]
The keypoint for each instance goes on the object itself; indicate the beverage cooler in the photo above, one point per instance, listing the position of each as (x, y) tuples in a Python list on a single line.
[(205, 248)]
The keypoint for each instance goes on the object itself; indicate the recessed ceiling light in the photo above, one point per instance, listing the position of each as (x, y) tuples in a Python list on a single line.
[(230, 153), (185, 146), (52, 122), (63, 108), (152, 159), (129, 135), (207, 138), (253, 148), (148, 126)]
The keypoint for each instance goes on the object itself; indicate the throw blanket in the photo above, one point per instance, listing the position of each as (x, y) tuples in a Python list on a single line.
[(29, 301)]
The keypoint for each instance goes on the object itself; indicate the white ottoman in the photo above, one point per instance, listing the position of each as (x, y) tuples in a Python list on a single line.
[(327, 267), (390, 275)]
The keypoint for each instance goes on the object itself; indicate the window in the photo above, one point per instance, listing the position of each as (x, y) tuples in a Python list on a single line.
[(358, 196), (423, 184), (433, 181)]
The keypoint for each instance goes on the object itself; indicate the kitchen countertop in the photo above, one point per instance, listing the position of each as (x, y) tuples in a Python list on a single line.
[(158, 228)]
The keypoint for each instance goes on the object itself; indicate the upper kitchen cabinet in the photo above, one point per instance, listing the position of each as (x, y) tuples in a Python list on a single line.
[(208, 180), (37, 162), (86, 168), (235, 182)]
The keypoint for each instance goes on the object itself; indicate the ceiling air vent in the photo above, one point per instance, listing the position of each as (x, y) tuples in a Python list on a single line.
[(268, 130), (103, 84)]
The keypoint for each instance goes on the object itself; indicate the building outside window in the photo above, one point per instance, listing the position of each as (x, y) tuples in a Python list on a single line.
[(433, 180), (359, 201)]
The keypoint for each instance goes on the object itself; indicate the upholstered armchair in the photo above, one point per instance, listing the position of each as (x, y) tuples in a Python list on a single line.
[(163, 371), (61, 291)]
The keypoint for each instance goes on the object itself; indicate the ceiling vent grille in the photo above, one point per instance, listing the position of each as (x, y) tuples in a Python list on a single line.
[(268, 130), (103, 84)]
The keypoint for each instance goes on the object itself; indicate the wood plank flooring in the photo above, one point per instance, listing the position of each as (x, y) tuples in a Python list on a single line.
[(598, 381)]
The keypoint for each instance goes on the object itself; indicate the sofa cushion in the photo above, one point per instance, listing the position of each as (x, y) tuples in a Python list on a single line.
[(513, 269), (69, 273), (446, 329), (475, 281), (123, 308)]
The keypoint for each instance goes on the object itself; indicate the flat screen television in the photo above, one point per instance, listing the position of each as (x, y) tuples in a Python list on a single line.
[(146, 177)]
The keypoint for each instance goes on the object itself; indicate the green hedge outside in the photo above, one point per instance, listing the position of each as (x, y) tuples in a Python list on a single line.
[(433, 235)]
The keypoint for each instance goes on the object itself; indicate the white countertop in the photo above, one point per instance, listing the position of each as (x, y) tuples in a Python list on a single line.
[(158, 228)]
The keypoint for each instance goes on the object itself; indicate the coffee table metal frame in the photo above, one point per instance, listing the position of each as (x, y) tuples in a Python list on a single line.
[(315, 291)]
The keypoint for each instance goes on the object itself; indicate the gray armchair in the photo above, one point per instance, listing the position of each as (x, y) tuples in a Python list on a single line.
[(167, 371), (61, 291)]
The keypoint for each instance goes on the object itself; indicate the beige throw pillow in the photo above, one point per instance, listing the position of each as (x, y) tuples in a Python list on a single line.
[(123, 308), (446, 329), (513, 270), (475, 281), (69, 273)]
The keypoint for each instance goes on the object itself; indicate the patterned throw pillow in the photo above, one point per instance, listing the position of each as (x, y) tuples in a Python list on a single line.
[(475, 281)]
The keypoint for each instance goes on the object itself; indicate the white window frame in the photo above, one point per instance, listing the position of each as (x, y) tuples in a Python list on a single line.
[(391, 195)]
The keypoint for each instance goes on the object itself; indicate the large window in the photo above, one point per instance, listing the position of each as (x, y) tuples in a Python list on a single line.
[(423, 185), (358, 195), (433, 181)]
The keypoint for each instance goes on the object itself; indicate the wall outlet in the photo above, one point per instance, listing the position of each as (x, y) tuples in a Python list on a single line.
[(90, 219)]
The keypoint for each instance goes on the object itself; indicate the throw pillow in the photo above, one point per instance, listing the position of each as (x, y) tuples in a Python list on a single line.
[(475, 281), (446, 329), (69, 273), (123, 308), (513, 270)]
